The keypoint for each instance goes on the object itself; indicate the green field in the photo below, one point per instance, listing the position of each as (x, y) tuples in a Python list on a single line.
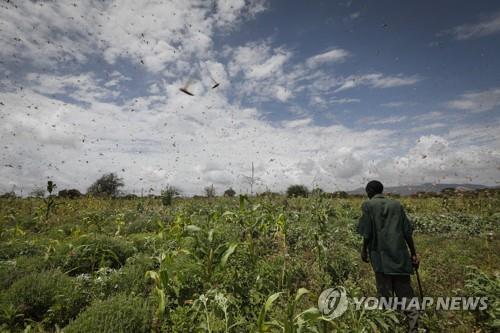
[(210, 264)]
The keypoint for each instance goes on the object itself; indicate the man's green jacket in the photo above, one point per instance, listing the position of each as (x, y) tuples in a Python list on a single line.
[(386, 227)]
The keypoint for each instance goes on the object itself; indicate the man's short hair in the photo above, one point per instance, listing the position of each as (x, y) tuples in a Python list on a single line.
[(374, 187)]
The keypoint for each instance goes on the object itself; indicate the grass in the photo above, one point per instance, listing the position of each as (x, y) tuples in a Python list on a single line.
[(217, 261)]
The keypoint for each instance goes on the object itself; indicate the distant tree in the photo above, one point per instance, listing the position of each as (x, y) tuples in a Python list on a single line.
[(108, 185), (9, 195), (38, 192), (340, 194), (268, 193), (317, 192), (210, 191), (448, 190), (297, 191), (168, 194), (70, 194), (229, 192), (51, 186), (130, 196)]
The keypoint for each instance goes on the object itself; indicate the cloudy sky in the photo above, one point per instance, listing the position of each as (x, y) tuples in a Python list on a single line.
[(322, 93)]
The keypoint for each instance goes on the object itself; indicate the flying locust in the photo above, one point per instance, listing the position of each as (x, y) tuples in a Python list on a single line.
[(185, 89)]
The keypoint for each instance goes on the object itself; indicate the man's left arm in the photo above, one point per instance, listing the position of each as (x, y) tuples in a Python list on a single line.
[(364, 250), (408, 235)]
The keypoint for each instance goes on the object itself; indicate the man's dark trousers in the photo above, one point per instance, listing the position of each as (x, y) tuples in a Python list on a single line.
[(389, 285)]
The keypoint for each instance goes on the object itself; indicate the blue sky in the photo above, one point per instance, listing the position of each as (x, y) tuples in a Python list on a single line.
[(323, 93)]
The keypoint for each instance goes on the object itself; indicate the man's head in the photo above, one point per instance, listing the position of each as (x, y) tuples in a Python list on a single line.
[(374, 187)]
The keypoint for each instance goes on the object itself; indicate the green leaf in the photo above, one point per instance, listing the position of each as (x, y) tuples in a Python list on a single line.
[(261, 324), (164, 278), (272, 323), (162, 302), (374, 327), (192, 228), (311, 314), (243, 198), (153, 275), (230, 250), (300, 293)]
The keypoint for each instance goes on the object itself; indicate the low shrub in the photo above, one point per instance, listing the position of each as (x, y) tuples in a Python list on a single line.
[(454, 224), (50, 296), (139, 225), (120, 313), (130, 279), (16, 248), (12, 270), (180, 320), (89, 253), (479, 284)]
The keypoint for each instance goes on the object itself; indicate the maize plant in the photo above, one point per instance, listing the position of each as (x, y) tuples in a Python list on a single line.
[(211, 303), (162, 281), (49, 202), (281, 232), (209, 254), (292, 322), (251, 220)]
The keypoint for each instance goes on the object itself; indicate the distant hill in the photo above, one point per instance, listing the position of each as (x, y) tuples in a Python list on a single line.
[(428, 187)]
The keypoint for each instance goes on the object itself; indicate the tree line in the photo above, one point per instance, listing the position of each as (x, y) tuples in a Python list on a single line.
[(110, 185)]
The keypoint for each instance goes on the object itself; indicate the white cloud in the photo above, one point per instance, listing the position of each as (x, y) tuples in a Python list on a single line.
[(261, 70), (148, 33), (194, 141), (478, 101), (317, 100), (297, 123), (83, 87), (355, 15), (430, 116), (269, 67), (395, 104), (258, 61), (444, 159), (154, 88), (115, 78), (487, 25), (282, 94), (345, 164), (72, 122), (427, 127), (197, 141), (382, 121), (231, 11), (377, 80), (68, 37), (334, 55)]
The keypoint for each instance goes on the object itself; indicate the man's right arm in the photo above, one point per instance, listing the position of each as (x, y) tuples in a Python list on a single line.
[(365, 230)]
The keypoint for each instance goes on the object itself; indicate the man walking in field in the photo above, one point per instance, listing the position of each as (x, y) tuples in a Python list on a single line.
[(387, 237)]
